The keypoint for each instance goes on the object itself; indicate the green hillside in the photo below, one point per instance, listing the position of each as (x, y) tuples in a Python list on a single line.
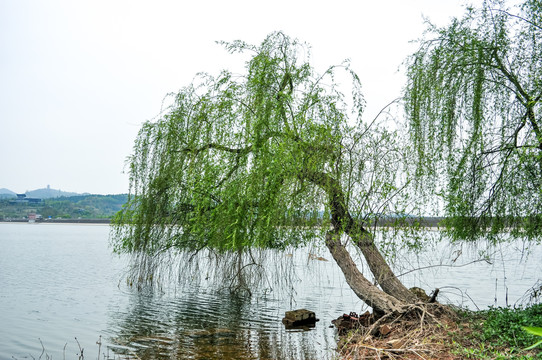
[(6, 194), (71, 207)]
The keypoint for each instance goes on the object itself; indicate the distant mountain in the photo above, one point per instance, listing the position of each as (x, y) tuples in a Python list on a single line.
[(6, 193), (48, 193), (45, 193)]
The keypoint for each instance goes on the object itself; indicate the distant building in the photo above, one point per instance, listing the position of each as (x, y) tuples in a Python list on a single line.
[(21, 198)]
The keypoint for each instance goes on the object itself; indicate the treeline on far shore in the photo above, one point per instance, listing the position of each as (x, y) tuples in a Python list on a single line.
[(102, 208), (81, 208), (59, 221)]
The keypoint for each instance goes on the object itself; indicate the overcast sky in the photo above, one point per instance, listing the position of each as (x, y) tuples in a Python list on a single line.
[(78, 78)]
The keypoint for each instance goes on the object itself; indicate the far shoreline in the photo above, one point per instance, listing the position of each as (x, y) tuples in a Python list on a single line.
[(59, 221), (424, 222)]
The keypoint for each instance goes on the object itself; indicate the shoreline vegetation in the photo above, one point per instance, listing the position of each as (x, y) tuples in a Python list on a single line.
[(495, 333)]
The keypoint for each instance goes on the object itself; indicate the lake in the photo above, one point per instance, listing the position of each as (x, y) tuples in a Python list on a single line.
[(61, 282)]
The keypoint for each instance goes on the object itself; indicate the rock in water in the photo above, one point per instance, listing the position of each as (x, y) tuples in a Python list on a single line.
[(299, 318)]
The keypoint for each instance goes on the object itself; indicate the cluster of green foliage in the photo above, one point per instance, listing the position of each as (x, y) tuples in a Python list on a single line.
[(504, 325), (238, 157), (83, 206), (499, 333), (474, 101)]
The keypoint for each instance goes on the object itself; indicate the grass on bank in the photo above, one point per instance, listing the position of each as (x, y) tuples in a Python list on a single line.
[(497, 333)]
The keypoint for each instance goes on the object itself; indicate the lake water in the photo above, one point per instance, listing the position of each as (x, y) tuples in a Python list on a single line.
[(61, 282)]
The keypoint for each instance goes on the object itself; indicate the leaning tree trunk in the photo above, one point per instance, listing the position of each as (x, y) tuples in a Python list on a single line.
[(384, 275), (393, 293), (381, 302)]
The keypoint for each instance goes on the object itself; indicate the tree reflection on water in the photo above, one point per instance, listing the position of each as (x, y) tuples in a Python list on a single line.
[(204, 325)]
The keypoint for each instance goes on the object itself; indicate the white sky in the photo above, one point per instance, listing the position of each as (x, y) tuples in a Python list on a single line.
[(78, 78)]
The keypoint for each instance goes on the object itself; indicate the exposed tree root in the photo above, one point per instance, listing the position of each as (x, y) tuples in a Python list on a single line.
[(420, 331)]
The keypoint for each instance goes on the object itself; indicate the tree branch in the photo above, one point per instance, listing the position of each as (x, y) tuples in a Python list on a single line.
[(216, 147), (518, 17)]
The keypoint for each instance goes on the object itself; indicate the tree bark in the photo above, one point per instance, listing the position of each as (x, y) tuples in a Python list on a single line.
[(384, 275), (381, 302)]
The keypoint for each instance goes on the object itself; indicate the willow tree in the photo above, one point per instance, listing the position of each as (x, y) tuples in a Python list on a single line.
[(474, 106), (271, 159)]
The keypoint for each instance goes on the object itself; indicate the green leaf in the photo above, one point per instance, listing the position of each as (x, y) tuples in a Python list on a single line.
[(535, 331)]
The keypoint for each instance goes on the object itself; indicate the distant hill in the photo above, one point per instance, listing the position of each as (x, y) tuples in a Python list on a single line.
[(48, 193), (44, 193), (6, 193)]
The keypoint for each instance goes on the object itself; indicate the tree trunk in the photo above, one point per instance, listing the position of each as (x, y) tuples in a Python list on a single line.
[(342, 222), (381, 302), (384, 275)]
